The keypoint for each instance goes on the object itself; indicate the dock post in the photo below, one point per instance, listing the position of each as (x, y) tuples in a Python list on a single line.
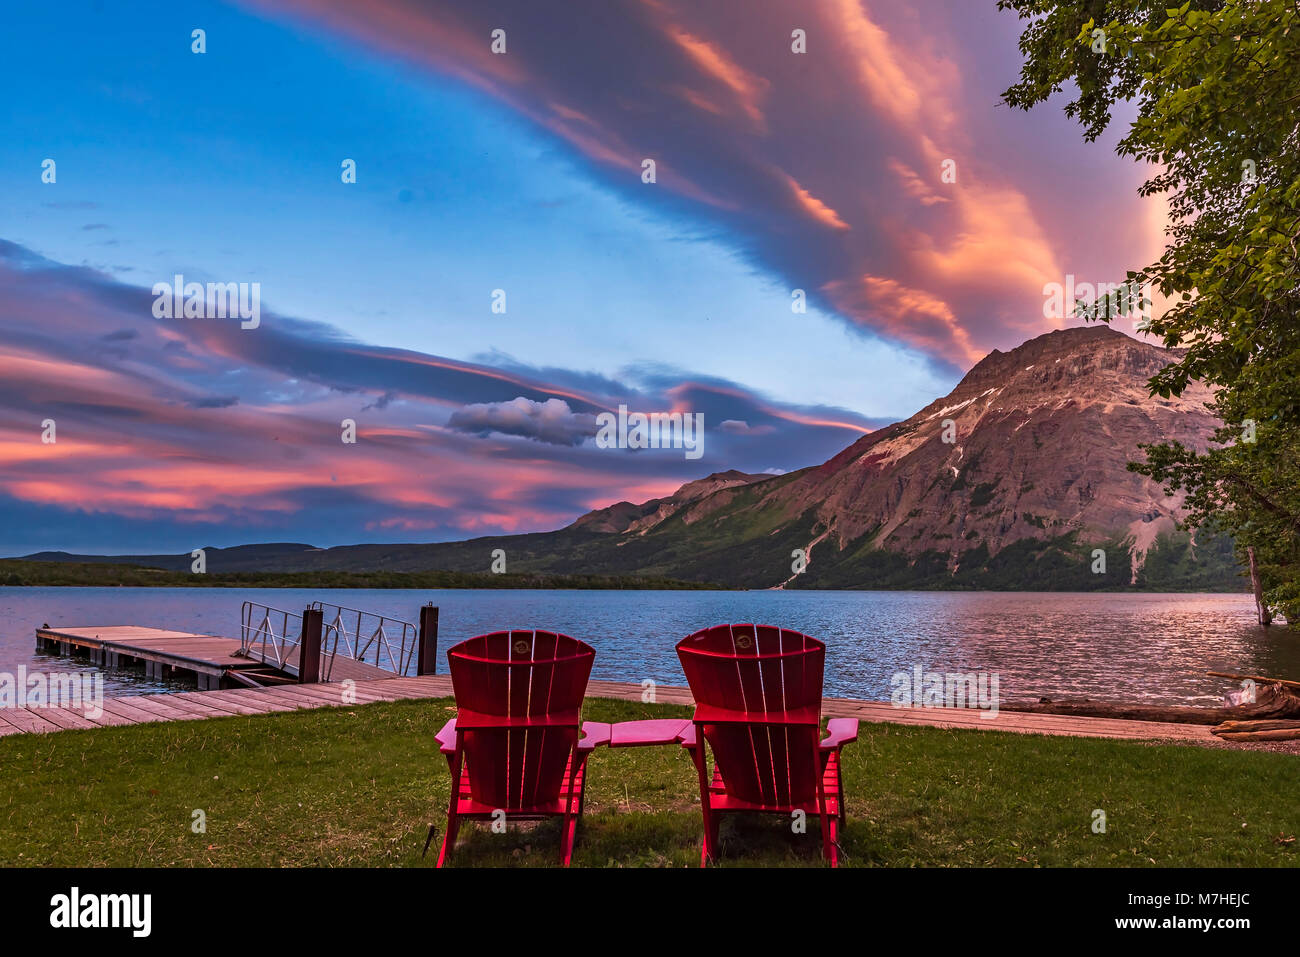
[(427, 658), (309, 647)]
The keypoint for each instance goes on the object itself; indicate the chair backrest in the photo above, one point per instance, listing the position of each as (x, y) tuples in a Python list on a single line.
[(518, 698), (774, 675)]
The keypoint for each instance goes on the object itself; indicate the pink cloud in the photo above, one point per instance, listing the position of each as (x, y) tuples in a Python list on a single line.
[(443, 448)]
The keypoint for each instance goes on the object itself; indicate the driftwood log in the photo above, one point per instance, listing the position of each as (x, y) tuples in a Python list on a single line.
[(1272, 700), (1272, 734), (1274, 730), (1257, 726)]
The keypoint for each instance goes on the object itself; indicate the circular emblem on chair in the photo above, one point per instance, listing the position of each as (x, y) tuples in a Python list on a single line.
[(521, 647), (744, 641)]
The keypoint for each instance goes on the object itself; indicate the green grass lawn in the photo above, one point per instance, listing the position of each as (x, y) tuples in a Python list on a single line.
[(360, 786)]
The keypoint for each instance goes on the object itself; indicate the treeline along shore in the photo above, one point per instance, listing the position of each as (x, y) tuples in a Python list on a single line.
[(85, 574), (19, 572)]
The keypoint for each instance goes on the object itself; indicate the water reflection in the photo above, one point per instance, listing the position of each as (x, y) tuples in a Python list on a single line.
[(1126, 647)]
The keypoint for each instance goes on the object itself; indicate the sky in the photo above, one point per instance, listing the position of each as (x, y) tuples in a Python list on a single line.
[(501, 272)]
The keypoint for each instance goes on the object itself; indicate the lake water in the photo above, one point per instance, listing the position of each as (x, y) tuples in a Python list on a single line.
[(1123, 647)]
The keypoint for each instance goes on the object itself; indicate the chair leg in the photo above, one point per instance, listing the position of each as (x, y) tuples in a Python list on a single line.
[(567, 839), (832, 840), (574, 805), (828, 832), (455, 766), (448, 839), (709, 847)]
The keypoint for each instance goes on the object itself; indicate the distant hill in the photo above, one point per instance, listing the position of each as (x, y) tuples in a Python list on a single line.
[(1010, 481), (275, 556)]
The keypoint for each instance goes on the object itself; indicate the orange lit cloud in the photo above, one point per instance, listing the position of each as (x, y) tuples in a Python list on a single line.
[(822, 168), (747, 88), (912, 315), (815, 207)]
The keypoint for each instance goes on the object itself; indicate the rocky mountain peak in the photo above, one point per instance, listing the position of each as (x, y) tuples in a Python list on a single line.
[(1032, 443)]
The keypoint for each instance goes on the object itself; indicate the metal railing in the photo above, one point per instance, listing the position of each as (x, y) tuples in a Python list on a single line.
[(385, 642), (271, 634), (274, 636)]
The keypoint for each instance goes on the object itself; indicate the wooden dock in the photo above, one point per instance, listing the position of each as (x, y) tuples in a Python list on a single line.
[(163, 653), (214, 662), (197, 705)]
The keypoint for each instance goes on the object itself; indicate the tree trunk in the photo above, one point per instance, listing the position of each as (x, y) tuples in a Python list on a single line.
[(1265, 616)]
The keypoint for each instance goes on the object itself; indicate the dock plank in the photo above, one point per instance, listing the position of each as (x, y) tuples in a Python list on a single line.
[(250, 706), (198, 708), (65, 718), (153, 704), (107, 718), (323, 694), (273, 695), (30, 721), (122, 706)]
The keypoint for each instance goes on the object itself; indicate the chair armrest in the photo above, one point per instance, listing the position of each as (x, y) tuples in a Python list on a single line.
[(687, 735), (595, 733), (839, 732), (446, 738), (638, 734)]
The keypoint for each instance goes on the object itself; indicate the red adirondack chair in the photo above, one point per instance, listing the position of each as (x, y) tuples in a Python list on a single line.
[(758, 695), (517, 744)]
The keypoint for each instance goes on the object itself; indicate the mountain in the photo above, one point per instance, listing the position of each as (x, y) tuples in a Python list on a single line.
[(1012, 480), (626, 517)]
